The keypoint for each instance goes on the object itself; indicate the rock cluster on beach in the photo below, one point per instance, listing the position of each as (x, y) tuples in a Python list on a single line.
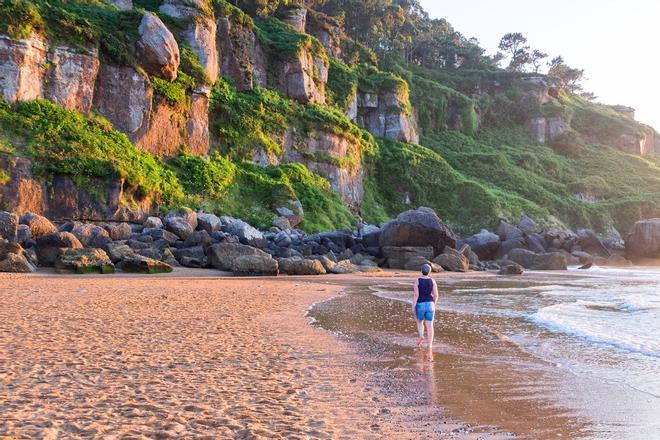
[(203, 240)]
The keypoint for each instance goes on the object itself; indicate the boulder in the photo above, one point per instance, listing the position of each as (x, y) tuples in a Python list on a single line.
[(159, 234), (153, 223), (90, 235), (508, 232), (527, 225), (209, 222), (485, 244), (23, 234), (472, 257), (48, 246), (613, 240), (282, 223), (300, 266), (511, 269), (120, 231), (16, 263), (197, 238), (245, 233), (141, 264), (184, 213), (590, 242), (39, 225), (293, 211), (194, 254), (415, 264), (222, 254), (343, 267), (157, 50), (452, 260), (583, 257), (535, 243), (180, 227), (644, 239), (550, 261), (83, 261), (8, 226), (507, 246), (523, 257), (420, 227), (8, 248), (118, 251), (251, 265), (397, 256)]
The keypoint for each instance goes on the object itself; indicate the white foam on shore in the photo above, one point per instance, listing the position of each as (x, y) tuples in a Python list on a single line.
[(540, 288)]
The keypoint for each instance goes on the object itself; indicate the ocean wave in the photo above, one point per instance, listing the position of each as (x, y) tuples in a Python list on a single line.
[(603, 322), (509, 289)]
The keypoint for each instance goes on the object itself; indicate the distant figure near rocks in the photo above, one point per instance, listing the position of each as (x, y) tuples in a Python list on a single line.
[(423, 308)]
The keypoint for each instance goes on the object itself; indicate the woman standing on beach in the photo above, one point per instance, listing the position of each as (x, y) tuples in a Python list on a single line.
[(426, 295)]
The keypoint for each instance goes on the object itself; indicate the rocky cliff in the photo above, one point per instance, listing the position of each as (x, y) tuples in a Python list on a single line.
[(141, 105)]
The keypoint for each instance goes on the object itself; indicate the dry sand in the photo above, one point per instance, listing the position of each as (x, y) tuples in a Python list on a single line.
[(186, 355)]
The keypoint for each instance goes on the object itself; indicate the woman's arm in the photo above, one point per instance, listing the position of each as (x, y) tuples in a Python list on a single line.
[(415, 296), (435, 292)]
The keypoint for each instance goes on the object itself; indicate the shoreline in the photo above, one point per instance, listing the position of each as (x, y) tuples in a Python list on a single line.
[(116, 355)]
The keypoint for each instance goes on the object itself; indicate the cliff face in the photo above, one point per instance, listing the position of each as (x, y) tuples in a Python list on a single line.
[(305, 93)]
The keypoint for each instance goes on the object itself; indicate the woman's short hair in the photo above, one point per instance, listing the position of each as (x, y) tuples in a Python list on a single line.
[(426, 269)]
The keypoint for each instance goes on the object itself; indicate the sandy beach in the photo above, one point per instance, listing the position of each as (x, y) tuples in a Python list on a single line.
[(189, 355)]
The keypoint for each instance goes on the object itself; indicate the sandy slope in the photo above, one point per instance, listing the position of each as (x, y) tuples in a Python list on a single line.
[(181, 356)]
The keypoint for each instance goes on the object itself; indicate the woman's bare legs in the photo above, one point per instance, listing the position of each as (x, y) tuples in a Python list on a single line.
[(429, 334), (420, 331)]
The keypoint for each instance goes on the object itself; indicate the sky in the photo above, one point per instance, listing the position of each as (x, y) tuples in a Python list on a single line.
[(616, 42)]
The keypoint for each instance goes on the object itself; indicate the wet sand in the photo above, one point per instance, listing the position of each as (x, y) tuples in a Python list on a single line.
[(193, 355)]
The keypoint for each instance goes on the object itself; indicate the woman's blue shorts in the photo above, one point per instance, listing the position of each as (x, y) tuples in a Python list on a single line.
[(425, 311)]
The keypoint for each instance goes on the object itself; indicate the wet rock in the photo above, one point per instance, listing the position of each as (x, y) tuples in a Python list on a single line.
[(485, 244), (245, 233), (250, 265), (452, 260), (420, 227), (48, 246), (158, 51), (300, 266), (39, 225), (221, 255), (83, 261), (8, 226), (511, 269), (141, 264), (398, 256), (209, 222), (16, 263)]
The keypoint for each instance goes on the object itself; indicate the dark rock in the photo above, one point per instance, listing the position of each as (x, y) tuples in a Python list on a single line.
[(550, 261), (180, 227), (507, 231), (523, 257), (8, 226), (250, 265), (397, 256), (39, 225), (198, 238), (139, 244), (221, 255), (418, 228), (209, 222), (152, 252), (245, 233), (48, 246), (23, 234), (586, 266), (512, 269), (485, 244), (583, 257), (7, 247), (415, 264), (120, 231), (118, 251), (357, 248), (147, 239), (300, 266), (16, 263), (507, 246), (535, 243), (194, 253), (83, 261), (527, 225), (194, 262), (472, 257), (142, 264), (187, 214), (319, 249), (153, 223), (90, 235), (282, 239), (371, 238), (282, 223), (590, 242), (158, 234)]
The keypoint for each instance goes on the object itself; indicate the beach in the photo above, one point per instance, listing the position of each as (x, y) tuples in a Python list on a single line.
[(195, 355), (188, 355)]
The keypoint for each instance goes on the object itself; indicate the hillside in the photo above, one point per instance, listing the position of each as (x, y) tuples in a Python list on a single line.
[(114, 110)]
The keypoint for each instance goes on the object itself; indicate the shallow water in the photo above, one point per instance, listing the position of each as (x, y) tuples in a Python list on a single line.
[(547, 355)]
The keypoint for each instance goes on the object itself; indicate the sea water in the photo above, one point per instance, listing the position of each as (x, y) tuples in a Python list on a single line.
[(600, 326)]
